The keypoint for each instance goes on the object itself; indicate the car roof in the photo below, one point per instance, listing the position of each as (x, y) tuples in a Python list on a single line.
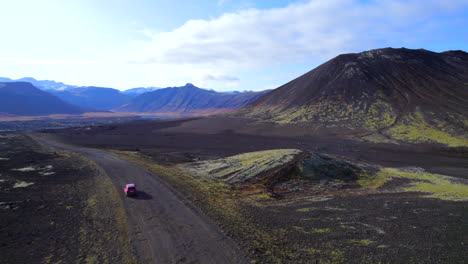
[(130, 185)]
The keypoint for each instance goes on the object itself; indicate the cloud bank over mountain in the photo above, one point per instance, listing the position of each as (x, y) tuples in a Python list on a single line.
[(296, 36)]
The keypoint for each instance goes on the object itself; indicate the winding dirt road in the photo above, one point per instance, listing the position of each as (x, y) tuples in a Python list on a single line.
[(163, 228)]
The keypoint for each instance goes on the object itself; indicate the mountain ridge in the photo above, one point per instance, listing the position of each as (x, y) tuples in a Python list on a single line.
[(22, 98), (187, 99), (414, 95), (93, 97)]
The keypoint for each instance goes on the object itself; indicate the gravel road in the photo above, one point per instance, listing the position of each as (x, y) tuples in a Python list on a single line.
[(164, 229)]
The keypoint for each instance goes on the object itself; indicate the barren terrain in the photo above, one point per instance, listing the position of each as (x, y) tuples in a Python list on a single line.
[(342, 201), (163, 228), (57, 207)]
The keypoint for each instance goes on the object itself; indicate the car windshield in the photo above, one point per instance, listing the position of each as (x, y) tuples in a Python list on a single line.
[(131, 188)]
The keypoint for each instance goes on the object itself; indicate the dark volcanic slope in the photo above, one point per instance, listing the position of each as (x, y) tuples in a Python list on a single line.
[(93, 97), (188, 99), (22, 98), (395, 91)]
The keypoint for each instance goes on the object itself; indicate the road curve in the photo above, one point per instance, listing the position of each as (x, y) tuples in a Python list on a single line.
[(163, 228)]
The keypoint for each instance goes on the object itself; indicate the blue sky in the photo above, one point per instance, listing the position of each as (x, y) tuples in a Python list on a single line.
[(219, 44)]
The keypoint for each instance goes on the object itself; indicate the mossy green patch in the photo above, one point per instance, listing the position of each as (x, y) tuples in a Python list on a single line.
[(321, 230), (313, 250), (347, 227), (92, 201), (243, 167), (415, 129), (312, 231), (383, 246), (362, 242), (438, 186), (371, 113), (300, 229), (375, 180)]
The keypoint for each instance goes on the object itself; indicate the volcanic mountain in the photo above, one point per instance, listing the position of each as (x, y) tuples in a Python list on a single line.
[(22, 98), (189, 100), (403, 94)]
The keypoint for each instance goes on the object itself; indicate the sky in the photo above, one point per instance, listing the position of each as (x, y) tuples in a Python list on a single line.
[(216, 44)]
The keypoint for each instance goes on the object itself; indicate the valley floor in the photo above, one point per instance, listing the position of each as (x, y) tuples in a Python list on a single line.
[(310, 222)]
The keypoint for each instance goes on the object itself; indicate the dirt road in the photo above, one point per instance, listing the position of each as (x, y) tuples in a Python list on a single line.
[(163, 228)]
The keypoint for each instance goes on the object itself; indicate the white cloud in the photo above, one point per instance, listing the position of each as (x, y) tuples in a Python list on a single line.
[(299, 32), (209, 52), (221, 78)]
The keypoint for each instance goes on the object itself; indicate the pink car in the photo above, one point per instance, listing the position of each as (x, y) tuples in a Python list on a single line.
[(130, 190)]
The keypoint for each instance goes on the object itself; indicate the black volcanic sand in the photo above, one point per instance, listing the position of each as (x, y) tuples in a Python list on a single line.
[(183, 140), (330, 226), (15, 126), (385, 228), (52, 217)]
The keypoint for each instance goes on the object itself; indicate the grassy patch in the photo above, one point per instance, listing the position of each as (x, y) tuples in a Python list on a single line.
[(91, 202), (376, 180), (314, 230), (438, 186), (328, 113), (414, 128), (243, 167), (321, 230), (363, 242)]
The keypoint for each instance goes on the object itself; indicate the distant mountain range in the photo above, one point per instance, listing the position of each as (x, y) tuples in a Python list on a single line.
[(43, 85), (188, 99), (185, 100), (22, 98), (388, 94), (60, 86), (94, 97)]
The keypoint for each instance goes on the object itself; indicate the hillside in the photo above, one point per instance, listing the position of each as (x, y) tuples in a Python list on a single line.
[(22, 98), (94, 97), (188, 99), (384, 94)]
